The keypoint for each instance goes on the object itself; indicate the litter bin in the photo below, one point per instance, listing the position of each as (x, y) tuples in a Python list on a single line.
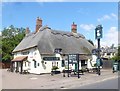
[(115, 67)]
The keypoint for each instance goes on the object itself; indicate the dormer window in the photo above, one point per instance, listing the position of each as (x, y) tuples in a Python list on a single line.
[(25, 53), (58, 50)]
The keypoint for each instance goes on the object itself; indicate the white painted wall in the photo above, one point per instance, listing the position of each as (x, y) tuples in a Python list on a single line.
[(72, 66), (91, 62), (34, 54), (46, 67)]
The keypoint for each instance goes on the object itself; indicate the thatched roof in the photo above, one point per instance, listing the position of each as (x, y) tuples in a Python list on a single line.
[(47, 40)]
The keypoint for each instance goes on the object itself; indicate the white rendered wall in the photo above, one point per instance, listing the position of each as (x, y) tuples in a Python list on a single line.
[(46, 67), (93, 61), (34, 55)]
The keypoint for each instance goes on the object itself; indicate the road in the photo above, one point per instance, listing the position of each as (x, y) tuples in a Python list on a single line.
[(107, 84), (12, 80)]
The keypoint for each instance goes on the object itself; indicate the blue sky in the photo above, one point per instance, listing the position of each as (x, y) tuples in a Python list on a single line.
[(60, 15)]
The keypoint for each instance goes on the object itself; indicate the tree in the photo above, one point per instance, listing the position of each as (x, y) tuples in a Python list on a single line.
[(90, 41), (117, 56), (0, 47), (11, 37)]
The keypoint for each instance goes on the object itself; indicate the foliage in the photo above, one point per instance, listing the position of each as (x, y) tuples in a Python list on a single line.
[(90, 41), (95, 65), (11, 37), (42, 61), (117, 56), (0, 48), (84, 69), (55, 68), (0, 44)]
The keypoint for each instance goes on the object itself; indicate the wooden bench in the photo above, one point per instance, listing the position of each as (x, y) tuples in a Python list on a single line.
[(25, 72), (80, 71), (66, 71), (55, 72), (92, 70)]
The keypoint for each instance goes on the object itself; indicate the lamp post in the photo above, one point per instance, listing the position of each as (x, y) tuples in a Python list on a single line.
[(98, 36)]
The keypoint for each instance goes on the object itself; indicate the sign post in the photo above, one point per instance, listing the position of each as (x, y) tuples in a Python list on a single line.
[(77, 57), (74, 59), (68, 65), (98, 36)]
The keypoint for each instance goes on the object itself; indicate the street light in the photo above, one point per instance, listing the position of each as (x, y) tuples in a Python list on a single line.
[(98, 36)]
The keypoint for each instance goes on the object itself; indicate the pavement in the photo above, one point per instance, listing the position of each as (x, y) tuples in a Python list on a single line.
[(46, 81)]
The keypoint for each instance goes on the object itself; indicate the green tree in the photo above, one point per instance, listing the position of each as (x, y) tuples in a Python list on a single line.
[(90, 41), (117, 56), (0, 47), (11, 37)]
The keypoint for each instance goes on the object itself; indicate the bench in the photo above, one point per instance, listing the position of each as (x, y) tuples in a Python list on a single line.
[(92, 70), (25, 72), (66, 71), (80, 71), (55, 72)]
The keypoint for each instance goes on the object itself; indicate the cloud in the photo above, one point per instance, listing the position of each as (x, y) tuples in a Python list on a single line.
[(87, 27), (111, 16), (111, 37), (114, 15)]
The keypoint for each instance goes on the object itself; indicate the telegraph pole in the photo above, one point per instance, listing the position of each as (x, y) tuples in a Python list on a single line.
[(98, 36)]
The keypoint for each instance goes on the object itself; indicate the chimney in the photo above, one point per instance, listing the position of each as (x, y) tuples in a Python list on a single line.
[(38, 24), (27, 31), (74, 28)]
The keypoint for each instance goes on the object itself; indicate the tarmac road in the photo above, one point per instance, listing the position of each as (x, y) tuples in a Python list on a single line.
[(107, 84), (46, 81)]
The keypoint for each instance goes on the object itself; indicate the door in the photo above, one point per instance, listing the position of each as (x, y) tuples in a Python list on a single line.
[(76, 67)]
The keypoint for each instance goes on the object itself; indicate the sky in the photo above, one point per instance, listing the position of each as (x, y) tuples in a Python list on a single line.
[(60, 16)]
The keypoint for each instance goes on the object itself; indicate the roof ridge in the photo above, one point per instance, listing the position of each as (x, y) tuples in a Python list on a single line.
[(69, 34)]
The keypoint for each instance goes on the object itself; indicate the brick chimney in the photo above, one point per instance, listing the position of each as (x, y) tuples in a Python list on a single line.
[(38, 24), (27, 31), (74, 28)]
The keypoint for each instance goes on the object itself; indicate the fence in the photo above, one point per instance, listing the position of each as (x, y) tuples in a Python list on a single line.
[(107, 64), (4, 65)]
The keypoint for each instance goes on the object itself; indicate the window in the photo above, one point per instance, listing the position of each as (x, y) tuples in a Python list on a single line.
[(108, 54), (25, 64), (15, 54), (35, 53), (25, 53), (35, 63), (63, 63), (57, 63), (28, 63), (38, 64), (58, 50), (52, 63), (83, 63)]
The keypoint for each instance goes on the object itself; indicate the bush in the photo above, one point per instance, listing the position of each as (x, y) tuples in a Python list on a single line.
[(95, 65), (55, 68)]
